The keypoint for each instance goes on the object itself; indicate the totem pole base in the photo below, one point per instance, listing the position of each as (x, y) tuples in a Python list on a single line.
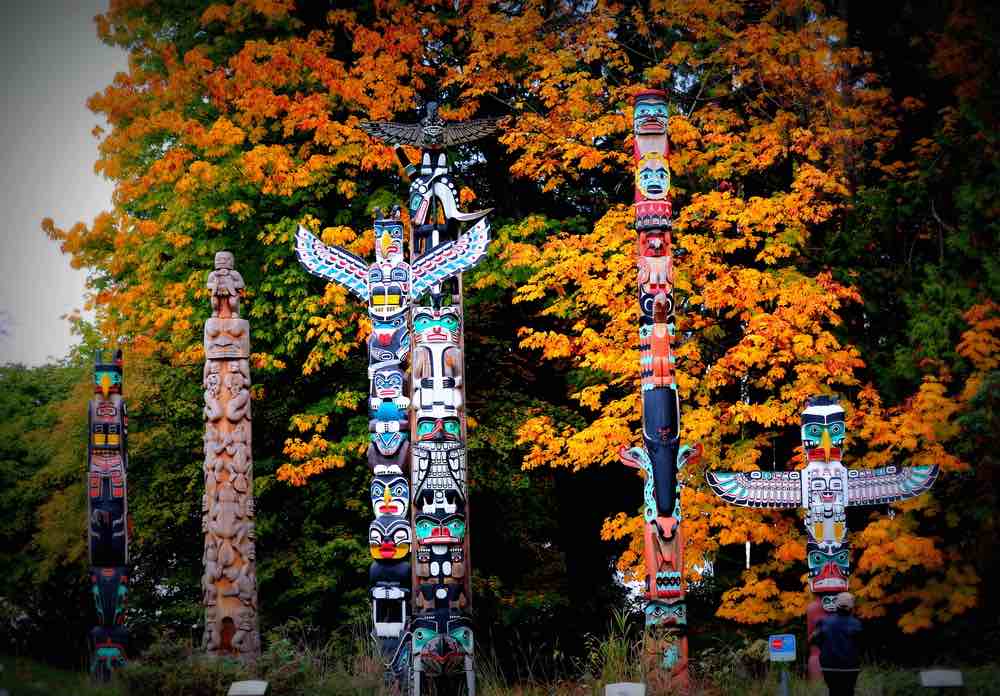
[(665, 657)]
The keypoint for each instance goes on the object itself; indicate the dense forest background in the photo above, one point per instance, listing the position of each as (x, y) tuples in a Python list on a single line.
[(835, 177)]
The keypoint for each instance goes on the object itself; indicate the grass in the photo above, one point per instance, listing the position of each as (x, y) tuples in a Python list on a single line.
[(24, 677), (295, 664)]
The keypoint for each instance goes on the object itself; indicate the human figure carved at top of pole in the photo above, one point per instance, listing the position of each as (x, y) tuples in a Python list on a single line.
[(229, 580)]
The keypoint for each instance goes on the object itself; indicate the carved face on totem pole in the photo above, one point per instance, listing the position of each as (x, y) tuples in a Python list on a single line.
[(389, 341), (650, 113), (652, 176), (390, 495), (108, 375), (439, 430), (389, 276), (440, 528), (442, 642), (389, 538), (387, 393), (437, 325), (824, 492)]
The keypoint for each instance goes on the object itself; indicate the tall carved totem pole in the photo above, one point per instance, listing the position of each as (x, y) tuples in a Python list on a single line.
[(229, 582), (661, 457), (825, 488), (417, 455), (107, 513)]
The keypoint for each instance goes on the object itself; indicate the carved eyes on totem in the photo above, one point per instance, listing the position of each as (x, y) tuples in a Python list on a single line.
[(399, 274), (818, 559), (113, 377), (426, 322), (390, 381), (397, 488), (389, 324), (463, 637)]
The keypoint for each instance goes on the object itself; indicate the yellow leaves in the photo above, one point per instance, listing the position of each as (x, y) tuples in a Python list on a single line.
[(980, 345)]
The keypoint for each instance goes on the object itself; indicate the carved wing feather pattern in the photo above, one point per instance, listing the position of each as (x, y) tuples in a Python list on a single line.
[(450, 259), (392, 133), (331, 263), (888, 484), (461, 132), (757, 489), (445, 133)]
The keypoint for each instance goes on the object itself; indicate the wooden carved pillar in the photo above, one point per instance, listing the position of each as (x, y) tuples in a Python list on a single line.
[(665, 654), (229, 582), (107, 515)]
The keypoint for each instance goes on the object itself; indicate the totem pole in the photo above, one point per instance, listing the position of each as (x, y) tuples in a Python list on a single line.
[(385, 286), (229, 583), (665, 641), (107, 513), (435, 639), (825, 488)]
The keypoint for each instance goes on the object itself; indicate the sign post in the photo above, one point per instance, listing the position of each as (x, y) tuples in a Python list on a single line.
[(782, 650)]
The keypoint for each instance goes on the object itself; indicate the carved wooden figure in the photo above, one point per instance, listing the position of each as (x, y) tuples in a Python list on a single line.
[(661, 456), (229, 581), (107, 516), (825, 488)]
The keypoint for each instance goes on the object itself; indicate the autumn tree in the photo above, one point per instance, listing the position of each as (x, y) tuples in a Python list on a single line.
[(237, 121)]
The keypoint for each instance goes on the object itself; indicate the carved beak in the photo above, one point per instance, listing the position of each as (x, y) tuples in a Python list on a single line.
[(105, 384), (826, 444)]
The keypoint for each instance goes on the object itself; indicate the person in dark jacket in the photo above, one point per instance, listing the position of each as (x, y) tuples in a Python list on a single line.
[(837, 636)]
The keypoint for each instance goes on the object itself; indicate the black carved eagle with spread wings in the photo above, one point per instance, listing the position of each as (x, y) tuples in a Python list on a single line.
[(431, 132)]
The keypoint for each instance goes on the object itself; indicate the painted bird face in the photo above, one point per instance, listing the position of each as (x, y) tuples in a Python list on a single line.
[(823, 430), (389, 538), (388, 241), (390, 496), (107, 379)]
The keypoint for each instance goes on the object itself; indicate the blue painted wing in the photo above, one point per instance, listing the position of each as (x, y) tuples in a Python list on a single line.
[(450, 259), (759, 489), (888, 484), (332, 264)]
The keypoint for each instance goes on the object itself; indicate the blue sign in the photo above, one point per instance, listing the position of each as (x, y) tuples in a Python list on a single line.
[(782, 647)]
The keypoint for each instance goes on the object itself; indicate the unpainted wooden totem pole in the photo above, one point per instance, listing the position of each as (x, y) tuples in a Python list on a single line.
[(107, 514), (417, 456), (665, 654), (825, 488), (229, 583)]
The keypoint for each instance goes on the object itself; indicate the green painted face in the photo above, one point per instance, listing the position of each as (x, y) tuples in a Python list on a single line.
[(429, 529), (451, 428)]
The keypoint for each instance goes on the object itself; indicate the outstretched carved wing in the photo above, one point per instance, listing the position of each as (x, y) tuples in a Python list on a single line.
[(332, 264), (758, 489), (460, 132), (888, 484), (394, 133), (450, 259)]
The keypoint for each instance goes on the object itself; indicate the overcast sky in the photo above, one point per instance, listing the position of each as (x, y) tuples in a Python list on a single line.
[(52, 62)]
